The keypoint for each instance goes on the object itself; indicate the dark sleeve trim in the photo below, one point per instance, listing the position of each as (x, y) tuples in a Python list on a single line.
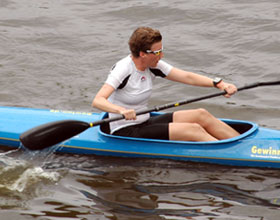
[(157, 72), (124, 82)]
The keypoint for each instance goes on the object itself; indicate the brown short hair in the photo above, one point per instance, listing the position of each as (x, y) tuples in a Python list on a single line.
[(142, 39)]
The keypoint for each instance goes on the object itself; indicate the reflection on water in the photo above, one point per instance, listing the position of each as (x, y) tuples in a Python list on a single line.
[(122, 188), (141, 188)]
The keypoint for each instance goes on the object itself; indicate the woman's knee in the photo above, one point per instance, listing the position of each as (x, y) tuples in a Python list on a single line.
[(199, 116), (187, 128), (203, 117), (188, 131), (203, 112), (196, 128)]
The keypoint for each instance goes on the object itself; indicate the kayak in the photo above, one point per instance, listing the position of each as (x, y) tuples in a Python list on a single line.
[(255, 147)]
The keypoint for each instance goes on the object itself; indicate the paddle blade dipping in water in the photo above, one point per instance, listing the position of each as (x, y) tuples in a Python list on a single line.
[(52, 133)]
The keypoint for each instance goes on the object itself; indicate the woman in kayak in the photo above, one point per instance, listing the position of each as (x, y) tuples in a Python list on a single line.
[(129, 87)]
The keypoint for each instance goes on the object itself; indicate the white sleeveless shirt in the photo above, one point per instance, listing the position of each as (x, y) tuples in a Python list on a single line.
[(137, 88)]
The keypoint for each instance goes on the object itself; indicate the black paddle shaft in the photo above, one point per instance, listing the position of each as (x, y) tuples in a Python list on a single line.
[(183, 102), (171, 105), (52, 133)]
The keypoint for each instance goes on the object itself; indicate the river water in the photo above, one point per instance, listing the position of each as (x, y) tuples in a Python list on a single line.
[(57, 53)]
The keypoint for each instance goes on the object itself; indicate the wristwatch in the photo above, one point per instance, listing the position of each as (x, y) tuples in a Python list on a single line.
[(216, 81)]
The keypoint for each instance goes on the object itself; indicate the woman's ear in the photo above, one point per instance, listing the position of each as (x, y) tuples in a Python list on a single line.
[(142, 54)]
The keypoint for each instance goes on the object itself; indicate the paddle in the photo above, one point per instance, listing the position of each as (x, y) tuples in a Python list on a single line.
[(52, 133)]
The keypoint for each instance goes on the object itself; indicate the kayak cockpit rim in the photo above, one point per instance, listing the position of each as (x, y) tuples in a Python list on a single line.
[(245, 128)]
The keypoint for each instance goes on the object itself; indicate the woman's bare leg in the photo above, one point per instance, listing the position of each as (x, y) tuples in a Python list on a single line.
[(188, 132), (213, 126)]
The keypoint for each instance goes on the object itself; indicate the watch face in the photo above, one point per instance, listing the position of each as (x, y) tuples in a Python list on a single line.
[(217, 81)]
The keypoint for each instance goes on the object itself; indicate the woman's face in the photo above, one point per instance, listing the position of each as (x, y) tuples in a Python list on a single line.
[(154, 54)]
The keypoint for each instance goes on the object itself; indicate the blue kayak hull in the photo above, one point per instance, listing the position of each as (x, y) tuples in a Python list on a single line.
[(255, 147)]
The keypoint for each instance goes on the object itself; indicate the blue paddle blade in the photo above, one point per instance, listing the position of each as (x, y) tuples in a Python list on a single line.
[(52, 133)]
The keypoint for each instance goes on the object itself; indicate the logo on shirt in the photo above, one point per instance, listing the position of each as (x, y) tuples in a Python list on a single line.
[(143, 78)]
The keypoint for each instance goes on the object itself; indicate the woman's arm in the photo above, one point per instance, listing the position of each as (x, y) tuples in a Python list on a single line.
[(195, 79), (101, 102)]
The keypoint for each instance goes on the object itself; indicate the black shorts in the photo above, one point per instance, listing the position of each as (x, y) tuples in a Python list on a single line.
[(154, 128)]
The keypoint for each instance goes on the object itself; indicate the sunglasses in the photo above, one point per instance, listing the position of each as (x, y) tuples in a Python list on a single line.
[(156, 52)]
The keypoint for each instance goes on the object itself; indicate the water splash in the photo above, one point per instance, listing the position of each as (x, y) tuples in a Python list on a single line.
[(22, 175)]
